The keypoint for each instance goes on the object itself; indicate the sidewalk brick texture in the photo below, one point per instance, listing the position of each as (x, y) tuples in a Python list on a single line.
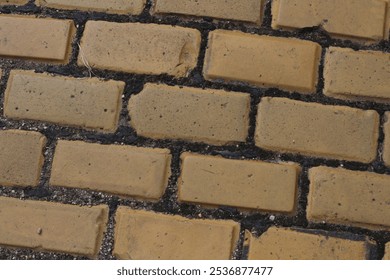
[(52, 226), (387, 252), (172, 237), (13, 2), (202, 115), (239, 183), (386, 146), (132, 171), (298, 244), (347, 197)]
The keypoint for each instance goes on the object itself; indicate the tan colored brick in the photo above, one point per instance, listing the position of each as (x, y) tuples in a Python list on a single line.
[(298, 244), (239, 183), (142, 235), (386, 145), (357, 75), (334, 132), (387, 252), (13, 2), (21, 157), (86, 103), (123, 170), (52, 226), (349, 197), (210, 116), (285, 63), (36, 38), (365, 19), (133, 7), (140, 48), (243, 10)]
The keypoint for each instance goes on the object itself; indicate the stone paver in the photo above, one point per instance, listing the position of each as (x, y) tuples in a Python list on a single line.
[(349, 197), (52, 226), (239, 183), (172, 237), (386, 146), (387, 252), (13, 2), (210, 116), (21, 157), (335, 132), (295, 244)]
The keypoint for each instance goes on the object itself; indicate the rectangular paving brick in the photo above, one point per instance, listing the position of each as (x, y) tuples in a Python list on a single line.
[(123, 170), (13, 2), (133, 7), (334, 132), (296, 244), (86, 103), (357, 75), (52, 226), (21, 157), (266, 61), (203, 115), (387, 252), (36, 38), (239, 183), (349, 197), (139, 48), (142, 235), (365, 19), (386, 145), (243, 10)]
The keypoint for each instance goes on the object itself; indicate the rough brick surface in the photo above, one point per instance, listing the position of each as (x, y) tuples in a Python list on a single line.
[(132, 171), (334, 132), (349, 197), (287, 244), (362, 19), (386, 145), (289, 64), (36, 38), (13, 2), (243, 10), (239, 183), (151, 48), (211, 116), (172, 237), (133, 7), (357, 75), (387, 252), (21, 157), (52, 226), (86, 103)]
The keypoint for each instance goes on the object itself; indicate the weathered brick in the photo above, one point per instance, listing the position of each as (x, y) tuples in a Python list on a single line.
[(240, 183), (87, 103), (211, 116), (133, 7), (21, 157), (387, 252), (244, 10), (357, 75), (142, 235), (312, 129), (285, 63), (298, 244), (13, 2), (386, 145), (52, 226), (349, 197), (36, 38), (140, 48), (365, 19), (123, 170)]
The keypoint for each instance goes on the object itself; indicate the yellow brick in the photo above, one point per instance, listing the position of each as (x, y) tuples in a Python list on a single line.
[(140, 48), (243, 10), (52, 226), (86, 103), (266, 61), (142, 235), (210, 116), (334, 132), (357, 75), (387, 252), (349, 197), (386, 146), (21, 157), (239, 183), (133, 7), (124, 170), (362, 19), (13, 2), (295, 244), (36, 38)]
